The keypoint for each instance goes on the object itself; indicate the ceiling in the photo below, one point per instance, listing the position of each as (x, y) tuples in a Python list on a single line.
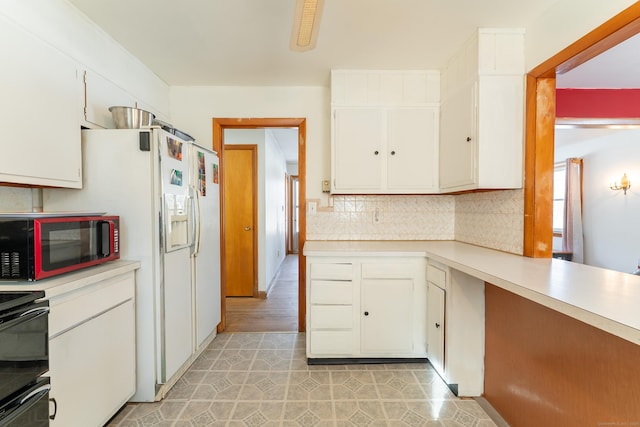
[(246, 42), (617, 68)]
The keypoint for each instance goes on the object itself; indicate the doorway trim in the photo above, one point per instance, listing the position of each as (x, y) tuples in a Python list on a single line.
[(540, 124), (291, 207), (219, 125)]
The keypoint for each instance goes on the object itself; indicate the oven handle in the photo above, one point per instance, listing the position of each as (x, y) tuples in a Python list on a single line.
[(36, 393), (25, 316), (38, 311), (25, 404)]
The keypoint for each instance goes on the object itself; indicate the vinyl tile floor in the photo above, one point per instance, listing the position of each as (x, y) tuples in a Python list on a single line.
[(262, 379)]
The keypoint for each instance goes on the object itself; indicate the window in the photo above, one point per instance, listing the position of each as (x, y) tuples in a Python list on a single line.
[(559, 183)]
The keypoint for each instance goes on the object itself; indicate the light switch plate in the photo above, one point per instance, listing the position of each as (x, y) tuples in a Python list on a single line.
[(325, 186)]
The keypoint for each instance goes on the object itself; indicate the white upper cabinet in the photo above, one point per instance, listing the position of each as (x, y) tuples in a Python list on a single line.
[(482, 114), (384, 131), (40, 108), (100, 94)]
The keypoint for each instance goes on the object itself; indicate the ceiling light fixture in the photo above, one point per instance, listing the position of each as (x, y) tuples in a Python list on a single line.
[(306, 23)]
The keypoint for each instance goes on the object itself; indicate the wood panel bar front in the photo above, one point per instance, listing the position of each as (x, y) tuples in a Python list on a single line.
[(543, 368)]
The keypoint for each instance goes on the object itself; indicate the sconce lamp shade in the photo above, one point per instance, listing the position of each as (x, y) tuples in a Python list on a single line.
[(306, 23), (624, 185)]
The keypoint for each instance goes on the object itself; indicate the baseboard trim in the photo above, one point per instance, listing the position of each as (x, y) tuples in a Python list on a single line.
[(362, 361), (262, 295), (491, 411)]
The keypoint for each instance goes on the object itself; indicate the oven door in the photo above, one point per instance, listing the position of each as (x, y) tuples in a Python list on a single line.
[(67, 244), (28, 407), (24, 340)]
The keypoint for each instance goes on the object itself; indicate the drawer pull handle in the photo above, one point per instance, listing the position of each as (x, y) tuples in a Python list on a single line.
[(437, 325), (375, 152), (366, 313)]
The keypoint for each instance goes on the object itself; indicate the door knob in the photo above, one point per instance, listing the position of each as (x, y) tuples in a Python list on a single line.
[(437, 325), (366, 313), (375, 152), (393, 153), (247, 228)]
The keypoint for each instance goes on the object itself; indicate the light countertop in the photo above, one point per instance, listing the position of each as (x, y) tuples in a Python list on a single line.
[(58, 285), (605, 299)]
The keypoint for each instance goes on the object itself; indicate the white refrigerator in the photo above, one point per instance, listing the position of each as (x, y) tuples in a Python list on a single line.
[(166, 192)]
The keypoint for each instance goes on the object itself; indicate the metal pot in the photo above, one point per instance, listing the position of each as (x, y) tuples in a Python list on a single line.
[(130, 118)]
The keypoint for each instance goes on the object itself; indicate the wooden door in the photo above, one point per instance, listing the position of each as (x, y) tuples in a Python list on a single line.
[(240, 190)]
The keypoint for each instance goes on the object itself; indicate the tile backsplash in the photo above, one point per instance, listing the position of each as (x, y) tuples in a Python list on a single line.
[(16, 199), (492, 219), (387, 217)]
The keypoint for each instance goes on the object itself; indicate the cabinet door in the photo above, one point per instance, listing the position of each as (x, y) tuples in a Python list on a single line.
[(458, 140), (435, 327), (412, 149), (99, 95), (40, 105), (387, 317), (92, 368), (358, 149)]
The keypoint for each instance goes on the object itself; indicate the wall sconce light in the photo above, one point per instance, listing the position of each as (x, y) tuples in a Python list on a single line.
[(625, 184)]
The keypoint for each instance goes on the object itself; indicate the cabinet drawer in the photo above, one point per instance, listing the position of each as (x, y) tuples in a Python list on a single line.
[(437, 276), (73, 308), (335, 271), (331, 316), (328, 292), (331, 342), (388, 270)]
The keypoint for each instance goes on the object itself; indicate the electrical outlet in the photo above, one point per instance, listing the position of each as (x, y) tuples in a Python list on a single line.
[(325, 186), (312, 208), (377, 216)]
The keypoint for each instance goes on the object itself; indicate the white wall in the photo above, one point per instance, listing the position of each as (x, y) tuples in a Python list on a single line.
[(271, 169), (196, 107), (611, 220), (275, 221)]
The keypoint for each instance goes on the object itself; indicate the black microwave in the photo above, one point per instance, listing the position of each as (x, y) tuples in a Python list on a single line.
[(34, 247)]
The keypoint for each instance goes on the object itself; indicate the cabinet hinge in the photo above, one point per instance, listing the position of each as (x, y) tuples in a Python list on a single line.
[(84, 79)]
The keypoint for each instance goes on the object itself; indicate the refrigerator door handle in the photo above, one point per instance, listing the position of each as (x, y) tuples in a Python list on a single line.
[(196, 222)]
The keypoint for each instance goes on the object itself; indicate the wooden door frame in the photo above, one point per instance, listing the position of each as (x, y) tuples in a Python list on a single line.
[(540, 124), (290, 208), (219, 125), (254, 214)]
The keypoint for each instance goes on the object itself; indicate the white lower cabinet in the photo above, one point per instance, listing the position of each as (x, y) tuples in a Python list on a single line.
[(366, 307), (92, 351), (387, 316), (435, 327), (456, 328)]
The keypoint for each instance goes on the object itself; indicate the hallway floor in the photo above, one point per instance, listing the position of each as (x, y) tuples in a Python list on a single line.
[(277, 313)]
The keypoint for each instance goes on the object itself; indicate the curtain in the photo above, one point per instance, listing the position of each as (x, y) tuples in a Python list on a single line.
[(572, 239)]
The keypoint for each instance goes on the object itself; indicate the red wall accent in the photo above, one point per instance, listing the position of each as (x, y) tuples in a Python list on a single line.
[(598, 103)]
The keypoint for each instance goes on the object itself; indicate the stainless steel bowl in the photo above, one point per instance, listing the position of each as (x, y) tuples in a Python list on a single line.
[(130, 118)]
